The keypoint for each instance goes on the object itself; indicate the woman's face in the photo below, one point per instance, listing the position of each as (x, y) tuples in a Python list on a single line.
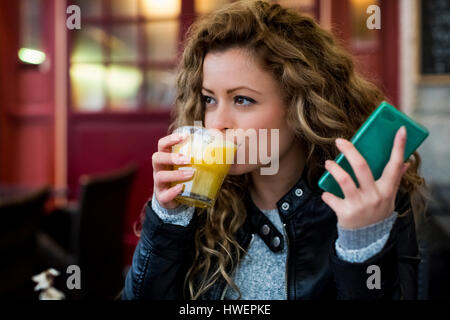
[(240, 94)]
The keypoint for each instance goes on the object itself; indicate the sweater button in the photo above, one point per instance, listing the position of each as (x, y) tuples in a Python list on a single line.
[(276, 242), (285, 206), (298, 192), (265, 229)]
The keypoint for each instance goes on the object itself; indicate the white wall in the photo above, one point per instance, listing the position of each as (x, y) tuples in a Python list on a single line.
[(427, 103)]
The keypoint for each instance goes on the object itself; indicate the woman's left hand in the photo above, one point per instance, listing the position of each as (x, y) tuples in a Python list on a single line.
[(374, 200)]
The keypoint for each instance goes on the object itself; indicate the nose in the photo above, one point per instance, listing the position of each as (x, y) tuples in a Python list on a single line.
[(221, 118)]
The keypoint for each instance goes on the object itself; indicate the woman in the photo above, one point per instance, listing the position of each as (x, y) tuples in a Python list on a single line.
[(260, 66)]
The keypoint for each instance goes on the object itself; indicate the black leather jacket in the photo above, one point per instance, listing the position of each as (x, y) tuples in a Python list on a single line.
[(165, 252)]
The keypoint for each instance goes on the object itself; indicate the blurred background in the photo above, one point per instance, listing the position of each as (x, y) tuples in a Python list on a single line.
[(81, 111)]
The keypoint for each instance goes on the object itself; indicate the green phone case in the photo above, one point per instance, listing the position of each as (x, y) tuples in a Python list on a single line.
[(374, 140)]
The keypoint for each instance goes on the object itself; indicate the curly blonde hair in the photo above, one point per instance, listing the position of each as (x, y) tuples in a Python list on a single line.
[(325, 97)]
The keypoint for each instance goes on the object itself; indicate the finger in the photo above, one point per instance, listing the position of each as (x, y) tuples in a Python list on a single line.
[(169, 194), (359, 164), (335, 203), (165, 143), (392, 173), (394, 187), (167, 176), (160, 160), (343, 179)]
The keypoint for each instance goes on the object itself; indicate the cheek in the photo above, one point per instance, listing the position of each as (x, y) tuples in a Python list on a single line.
[(277, 142), (268, 117), (207, 121), (275, 119), (286, 140)]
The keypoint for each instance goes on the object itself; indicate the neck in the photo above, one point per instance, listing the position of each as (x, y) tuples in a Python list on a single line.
[(266, 190)]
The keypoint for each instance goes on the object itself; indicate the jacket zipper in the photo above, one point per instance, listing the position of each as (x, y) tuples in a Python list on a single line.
[(226, 285), (287, 261)]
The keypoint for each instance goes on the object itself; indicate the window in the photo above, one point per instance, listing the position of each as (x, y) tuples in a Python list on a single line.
[(124, 56)]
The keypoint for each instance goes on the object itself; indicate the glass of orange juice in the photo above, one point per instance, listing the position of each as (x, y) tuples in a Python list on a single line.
[(211, 156)]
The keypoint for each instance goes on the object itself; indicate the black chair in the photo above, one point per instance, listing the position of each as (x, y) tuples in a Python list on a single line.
[(93, 232), (18, 242)]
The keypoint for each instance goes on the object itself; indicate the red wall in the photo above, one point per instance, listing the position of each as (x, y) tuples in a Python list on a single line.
[(103, 142)]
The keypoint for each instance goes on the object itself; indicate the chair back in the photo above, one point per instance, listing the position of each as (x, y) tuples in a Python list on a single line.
[(103, 205), (18, 240)]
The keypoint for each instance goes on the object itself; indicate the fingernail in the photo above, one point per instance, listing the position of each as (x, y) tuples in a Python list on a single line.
[(179, 159), (185, 159), (403, 130), (188, 172), (339, 142), (327, 162), (178, 137)]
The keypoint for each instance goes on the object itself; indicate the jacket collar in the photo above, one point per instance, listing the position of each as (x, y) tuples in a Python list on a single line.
[(288, 205), (291, 201), (295, 198)]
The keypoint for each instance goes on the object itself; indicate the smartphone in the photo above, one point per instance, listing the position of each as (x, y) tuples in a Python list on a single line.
[(374, 140)]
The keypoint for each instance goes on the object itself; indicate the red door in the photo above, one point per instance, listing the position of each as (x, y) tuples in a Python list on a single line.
[(375, 51)]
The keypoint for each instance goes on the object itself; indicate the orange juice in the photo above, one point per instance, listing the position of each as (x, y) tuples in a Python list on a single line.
[(211, 160)]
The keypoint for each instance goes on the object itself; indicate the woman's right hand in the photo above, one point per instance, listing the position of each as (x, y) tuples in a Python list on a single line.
[(163, 173)]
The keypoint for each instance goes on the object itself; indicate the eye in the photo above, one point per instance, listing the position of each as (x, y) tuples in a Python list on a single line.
[(243, 101), (208, 100)]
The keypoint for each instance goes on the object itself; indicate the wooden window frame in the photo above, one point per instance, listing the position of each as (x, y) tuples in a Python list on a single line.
[(106, 21)]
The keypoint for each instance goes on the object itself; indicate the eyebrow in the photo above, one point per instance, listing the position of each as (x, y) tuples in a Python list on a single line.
[(234, 89)]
